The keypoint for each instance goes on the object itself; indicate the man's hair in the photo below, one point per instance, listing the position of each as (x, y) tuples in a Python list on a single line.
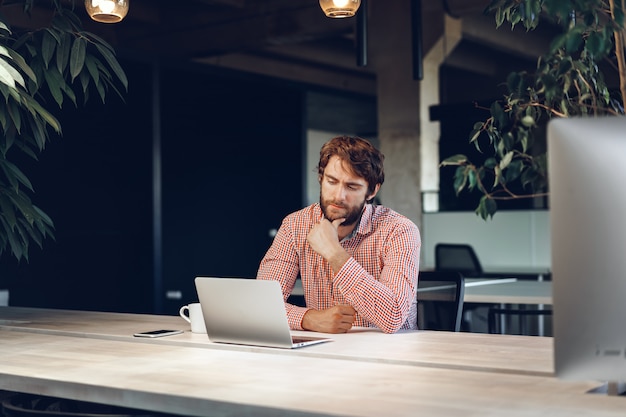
[(364, 159)]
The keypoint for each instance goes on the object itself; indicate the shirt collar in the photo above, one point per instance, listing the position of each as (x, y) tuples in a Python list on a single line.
[(364, 224)]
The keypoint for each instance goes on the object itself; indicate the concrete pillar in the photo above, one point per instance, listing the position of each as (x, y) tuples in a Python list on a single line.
[(407, 138), (429, 96), (398, 104)]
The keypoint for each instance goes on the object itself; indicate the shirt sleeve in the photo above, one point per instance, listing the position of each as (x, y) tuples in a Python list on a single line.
[(386, 302), (280, 263)]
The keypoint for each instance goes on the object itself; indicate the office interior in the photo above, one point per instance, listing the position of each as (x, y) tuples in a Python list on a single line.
[(192, 172)]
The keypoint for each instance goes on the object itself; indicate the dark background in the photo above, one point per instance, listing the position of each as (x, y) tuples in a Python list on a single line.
[(230, 161)]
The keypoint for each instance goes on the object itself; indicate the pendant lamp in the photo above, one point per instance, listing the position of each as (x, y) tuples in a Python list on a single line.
[(107, 11), (340, 8)]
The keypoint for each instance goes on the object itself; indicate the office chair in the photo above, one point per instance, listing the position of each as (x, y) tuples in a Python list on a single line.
[(440, 300), (457, 257), (461, 257)]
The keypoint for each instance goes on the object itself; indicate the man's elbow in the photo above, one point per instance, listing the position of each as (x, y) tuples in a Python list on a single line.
[(391, 326)]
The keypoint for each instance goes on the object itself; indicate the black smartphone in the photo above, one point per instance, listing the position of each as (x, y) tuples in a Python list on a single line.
[(158, 333)]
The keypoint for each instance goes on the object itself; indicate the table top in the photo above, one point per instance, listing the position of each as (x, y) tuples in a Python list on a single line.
[(480, 352), (516, 271), (92, 356), (507, 291), (207, 382)]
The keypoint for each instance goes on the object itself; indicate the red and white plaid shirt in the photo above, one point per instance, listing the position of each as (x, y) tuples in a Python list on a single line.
[(379, 280)]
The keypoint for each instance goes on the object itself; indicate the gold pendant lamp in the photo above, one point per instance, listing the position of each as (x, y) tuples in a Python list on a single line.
[(340, 8), (107, 11)]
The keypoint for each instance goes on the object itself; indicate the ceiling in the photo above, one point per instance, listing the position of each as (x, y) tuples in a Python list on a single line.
[(292, 39)]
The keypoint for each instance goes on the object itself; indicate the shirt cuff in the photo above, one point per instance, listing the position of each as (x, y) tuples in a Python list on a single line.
[(295, 315)]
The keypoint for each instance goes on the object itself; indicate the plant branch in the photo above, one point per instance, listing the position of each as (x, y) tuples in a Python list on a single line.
[(619, 50)]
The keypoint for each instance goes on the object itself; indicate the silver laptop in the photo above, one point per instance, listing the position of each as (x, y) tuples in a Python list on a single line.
[(247, 312)]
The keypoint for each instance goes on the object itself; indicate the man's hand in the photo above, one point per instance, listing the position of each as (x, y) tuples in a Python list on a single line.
[(337, 319), (324, 240)]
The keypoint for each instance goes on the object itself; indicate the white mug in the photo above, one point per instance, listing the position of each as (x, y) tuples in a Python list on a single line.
[(192, 313)]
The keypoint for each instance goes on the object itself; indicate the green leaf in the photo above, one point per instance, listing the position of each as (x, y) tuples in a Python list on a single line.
[(457, 159), (475, 134), (15, 174), (63, 52), (514, 170), (595, 44), (490, 163), (4, 28), (573, 41), (43, 217), (16, 116), (115, 66), (69, 92), (487, 207), (48, 46), (508, 141), (6, 76), (77, 58), (506, 160), (471, 176), (92, 64), (101, 91), (499, 116), (54, 81), (46, 116), (497, 179), (7, 210), (21, 63), (32, 232), (460, 179)]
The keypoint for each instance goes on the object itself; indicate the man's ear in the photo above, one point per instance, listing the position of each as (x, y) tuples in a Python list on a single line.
[(371, 196)]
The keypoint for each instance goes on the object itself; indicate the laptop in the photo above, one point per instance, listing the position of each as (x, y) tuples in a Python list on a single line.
[(247, 312)]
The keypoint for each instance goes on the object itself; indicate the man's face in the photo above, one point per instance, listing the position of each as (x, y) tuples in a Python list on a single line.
[(342, 193)]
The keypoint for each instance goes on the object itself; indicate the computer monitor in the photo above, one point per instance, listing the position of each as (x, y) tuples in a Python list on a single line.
[(587, 179)]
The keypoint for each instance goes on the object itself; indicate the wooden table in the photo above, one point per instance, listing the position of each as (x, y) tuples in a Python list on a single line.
[(480, 352), (93, 357)]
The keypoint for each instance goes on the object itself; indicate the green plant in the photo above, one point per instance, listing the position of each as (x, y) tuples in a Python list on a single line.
[(39, 69), (569, 81)]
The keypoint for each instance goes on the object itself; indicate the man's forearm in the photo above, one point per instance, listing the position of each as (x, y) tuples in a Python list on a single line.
[(337, 260)]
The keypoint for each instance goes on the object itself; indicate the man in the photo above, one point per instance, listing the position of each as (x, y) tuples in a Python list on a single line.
[(358, 262)]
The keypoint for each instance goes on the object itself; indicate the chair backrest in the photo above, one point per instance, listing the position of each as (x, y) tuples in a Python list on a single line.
[(457, 257), (440, 300)]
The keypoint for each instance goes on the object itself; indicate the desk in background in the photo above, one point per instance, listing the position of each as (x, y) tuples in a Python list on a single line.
[(487, 290), (500, 290), (511, 291), (539, 273), (507, 291)]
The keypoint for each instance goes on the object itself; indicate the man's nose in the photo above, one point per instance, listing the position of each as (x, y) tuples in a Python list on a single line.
[(340, 193)]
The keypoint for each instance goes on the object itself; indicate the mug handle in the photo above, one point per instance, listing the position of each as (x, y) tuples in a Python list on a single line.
[(181, 312)]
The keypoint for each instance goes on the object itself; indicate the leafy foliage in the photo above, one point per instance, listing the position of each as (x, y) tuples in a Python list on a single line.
[(567, 82), (60, 61)]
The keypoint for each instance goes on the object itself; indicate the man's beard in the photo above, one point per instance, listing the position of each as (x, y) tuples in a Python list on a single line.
[(351, 217)]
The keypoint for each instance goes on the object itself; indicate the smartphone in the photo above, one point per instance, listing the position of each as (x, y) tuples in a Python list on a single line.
[(158, 333)]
